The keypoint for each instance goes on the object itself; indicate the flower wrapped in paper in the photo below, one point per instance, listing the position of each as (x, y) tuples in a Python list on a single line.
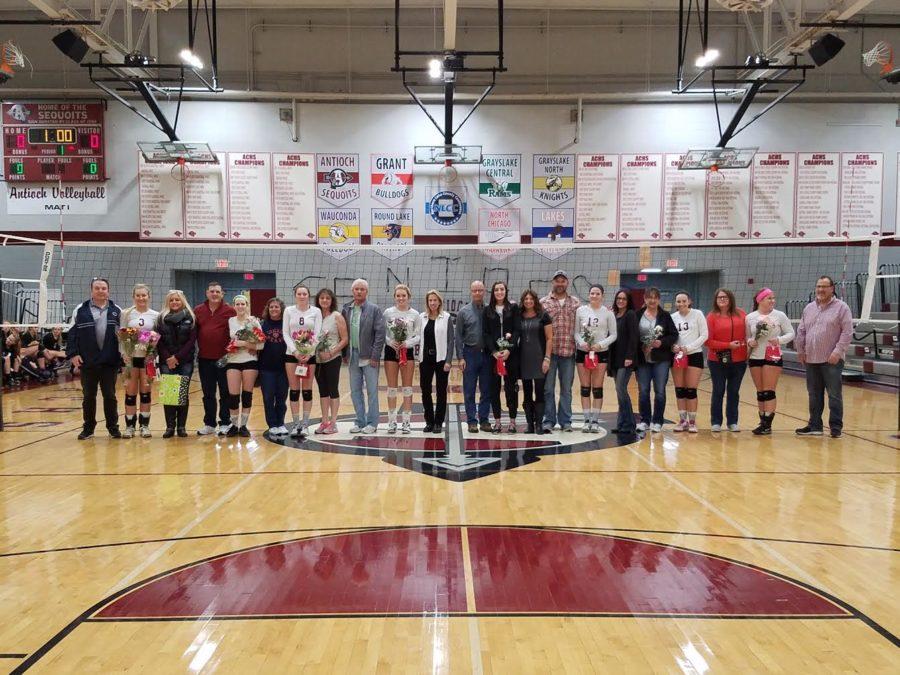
[(587, 336), (399, 330), (248, 333), (305, 344), (764, 329), (504, 344), (147, 342)]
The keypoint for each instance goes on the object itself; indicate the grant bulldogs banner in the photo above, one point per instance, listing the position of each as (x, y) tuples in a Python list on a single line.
[(500, 179), (337, 178), (392, 179), (554, 179)]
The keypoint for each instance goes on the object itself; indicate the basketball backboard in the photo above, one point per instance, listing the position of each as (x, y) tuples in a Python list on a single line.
[(439, 154), (169, 152), (718, 158)]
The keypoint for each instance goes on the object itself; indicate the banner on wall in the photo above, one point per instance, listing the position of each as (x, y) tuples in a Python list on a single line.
[(552, 226), (553, 180), (392, 179), (500, 179), (862, 174), (597, 201), (40, 199), (249, 176), (392, 232), (337, 178), (499, 226), (818, 182), (293, 193), (338, 232), (445, 208)]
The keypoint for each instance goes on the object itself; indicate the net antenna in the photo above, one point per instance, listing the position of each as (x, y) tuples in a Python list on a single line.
[(881, 54)]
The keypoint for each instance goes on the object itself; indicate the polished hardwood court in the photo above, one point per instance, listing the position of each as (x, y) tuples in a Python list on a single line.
[(457, 553)]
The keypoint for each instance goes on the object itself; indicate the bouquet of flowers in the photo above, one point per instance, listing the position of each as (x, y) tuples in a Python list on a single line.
[(247, 333), (503, 344), (149, 339), (305, 345), (128, 338), (324, 344), (399, 329), (655, 335), (764, 328), (587, 336)]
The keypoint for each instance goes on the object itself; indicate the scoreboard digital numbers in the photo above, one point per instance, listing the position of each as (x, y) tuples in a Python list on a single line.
[(52, 142)]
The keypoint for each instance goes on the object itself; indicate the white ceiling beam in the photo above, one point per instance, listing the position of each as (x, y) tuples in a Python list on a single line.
[(449, 25)]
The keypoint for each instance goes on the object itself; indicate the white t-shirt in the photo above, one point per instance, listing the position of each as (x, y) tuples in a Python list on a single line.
[(143, 321), (692, 330), (780, 327), (295, 319), (247, 353), (602, 324), (413, 323)]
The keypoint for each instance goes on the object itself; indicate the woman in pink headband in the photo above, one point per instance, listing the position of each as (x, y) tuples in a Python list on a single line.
[(768, 330)]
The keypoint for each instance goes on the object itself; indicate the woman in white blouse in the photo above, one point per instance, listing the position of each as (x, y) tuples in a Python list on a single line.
[(768, 330), (595, 331), (688, 364), (300, 368)]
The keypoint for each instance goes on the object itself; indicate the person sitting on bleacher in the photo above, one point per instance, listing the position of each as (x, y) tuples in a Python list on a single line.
[(54, 351), (11, 360), (32, 353)]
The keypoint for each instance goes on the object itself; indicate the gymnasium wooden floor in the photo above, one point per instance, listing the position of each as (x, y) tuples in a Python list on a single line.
[(676, 553)]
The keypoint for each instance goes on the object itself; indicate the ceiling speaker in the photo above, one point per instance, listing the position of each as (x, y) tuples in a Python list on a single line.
[(71, 44), (825, 48)]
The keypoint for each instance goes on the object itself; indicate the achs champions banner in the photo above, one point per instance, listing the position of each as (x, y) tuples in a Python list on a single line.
[(500, 179)]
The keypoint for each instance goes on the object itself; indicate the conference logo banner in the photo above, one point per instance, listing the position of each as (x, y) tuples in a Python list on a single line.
[(392, 232), (499, 226), (392, 179), (500, 179), (445, 209), (553, 181), (552, 226), (338, 232), (337, 178)]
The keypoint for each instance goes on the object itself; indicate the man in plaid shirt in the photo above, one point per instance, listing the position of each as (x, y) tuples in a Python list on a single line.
[(561, 307)]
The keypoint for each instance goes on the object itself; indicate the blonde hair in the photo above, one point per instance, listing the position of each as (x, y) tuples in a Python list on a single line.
[(241, 297), (126, 313), (137, 287), (403, 287), (165, 311), (440, 298)]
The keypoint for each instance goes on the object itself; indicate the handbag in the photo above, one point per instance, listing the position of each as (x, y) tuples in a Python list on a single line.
[(724, 355), (173, 389)]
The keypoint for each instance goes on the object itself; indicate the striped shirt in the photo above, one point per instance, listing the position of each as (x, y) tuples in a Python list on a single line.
[(563, 316)]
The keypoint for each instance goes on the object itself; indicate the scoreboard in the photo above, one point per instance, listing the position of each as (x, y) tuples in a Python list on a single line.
[(52, 142)]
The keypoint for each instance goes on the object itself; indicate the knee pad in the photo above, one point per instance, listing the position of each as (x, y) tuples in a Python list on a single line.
[(392, 392), (769, 395), (294, 395), (246, 398), (130, 399), (598, 392), (145, 397), (407, 391), (690, 393), (585, 392), (234, 401), (307, 394), (680, 392), (761, 396)]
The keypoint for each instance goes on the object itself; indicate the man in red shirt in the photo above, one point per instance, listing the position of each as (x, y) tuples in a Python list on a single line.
[(212, 338)]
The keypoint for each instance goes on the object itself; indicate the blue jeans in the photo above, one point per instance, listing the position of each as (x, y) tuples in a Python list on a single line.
[(658, 374), (563, 368), (274, 385), (477, 374), (364, 375), (725, 380), (625, 419), (819, 378)]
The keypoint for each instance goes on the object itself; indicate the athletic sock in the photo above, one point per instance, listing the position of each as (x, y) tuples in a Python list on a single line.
[(306, 418), (130, 420), (244, 418), (234, 420)]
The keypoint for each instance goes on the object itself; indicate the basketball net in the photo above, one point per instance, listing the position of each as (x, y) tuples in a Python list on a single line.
[(881, 54)]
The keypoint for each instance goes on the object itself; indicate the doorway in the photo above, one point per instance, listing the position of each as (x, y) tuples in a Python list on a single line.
[(260, 287), (699, 285)]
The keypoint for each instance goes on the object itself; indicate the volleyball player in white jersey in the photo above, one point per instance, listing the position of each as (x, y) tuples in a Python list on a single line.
[(765, 354), (242, 367), (401, 311), (692, 334), (302, 316), (141, 317), (598, 323)]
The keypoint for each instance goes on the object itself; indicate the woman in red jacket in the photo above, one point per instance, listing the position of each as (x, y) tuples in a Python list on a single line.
[(727, 357)]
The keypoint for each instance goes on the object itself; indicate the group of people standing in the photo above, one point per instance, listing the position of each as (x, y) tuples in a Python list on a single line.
[(532, 346)]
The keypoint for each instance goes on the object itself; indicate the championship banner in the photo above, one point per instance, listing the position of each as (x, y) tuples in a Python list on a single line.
[(553, 181), (445, 209), (552, 226), (392, 232), (499, 226), (392, 179), (337, 178), (500, 179), (338, 232)]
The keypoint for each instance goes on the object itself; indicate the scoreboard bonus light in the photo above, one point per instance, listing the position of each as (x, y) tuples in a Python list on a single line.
[(52, 142)]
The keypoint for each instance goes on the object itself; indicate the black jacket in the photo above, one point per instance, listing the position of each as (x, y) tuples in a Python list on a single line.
[(490, 326), (668, 338), (82, 340), (177, 339), (627, 344)]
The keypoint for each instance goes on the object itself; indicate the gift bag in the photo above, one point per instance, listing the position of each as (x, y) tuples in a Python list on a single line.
[(681, 360), (773, 352), (173, 389)]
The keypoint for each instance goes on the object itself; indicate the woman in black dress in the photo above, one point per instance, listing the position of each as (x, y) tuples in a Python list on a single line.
[(535, 343)]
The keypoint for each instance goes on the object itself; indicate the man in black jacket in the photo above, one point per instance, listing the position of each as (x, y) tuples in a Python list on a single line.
[(93, 346)]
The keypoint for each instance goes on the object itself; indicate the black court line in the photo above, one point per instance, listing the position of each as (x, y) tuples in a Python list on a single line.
[(13, 656), (139, 542), (87, 614)]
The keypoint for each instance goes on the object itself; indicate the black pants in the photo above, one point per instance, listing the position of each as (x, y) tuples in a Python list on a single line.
[(211, 378), (105, 377), (429, 368), (533, 391), (328, 377), (510, 388)]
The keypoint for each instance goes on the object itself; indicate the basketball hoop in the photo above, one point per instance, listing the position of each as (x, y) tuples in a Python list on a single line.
[(11, 57), (179, 171), (714, 177), (881, 54), (448, 173)]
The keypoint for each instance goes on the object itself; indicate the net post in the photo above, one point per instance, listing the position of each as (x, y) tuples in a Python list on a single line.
[(865, 312)]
